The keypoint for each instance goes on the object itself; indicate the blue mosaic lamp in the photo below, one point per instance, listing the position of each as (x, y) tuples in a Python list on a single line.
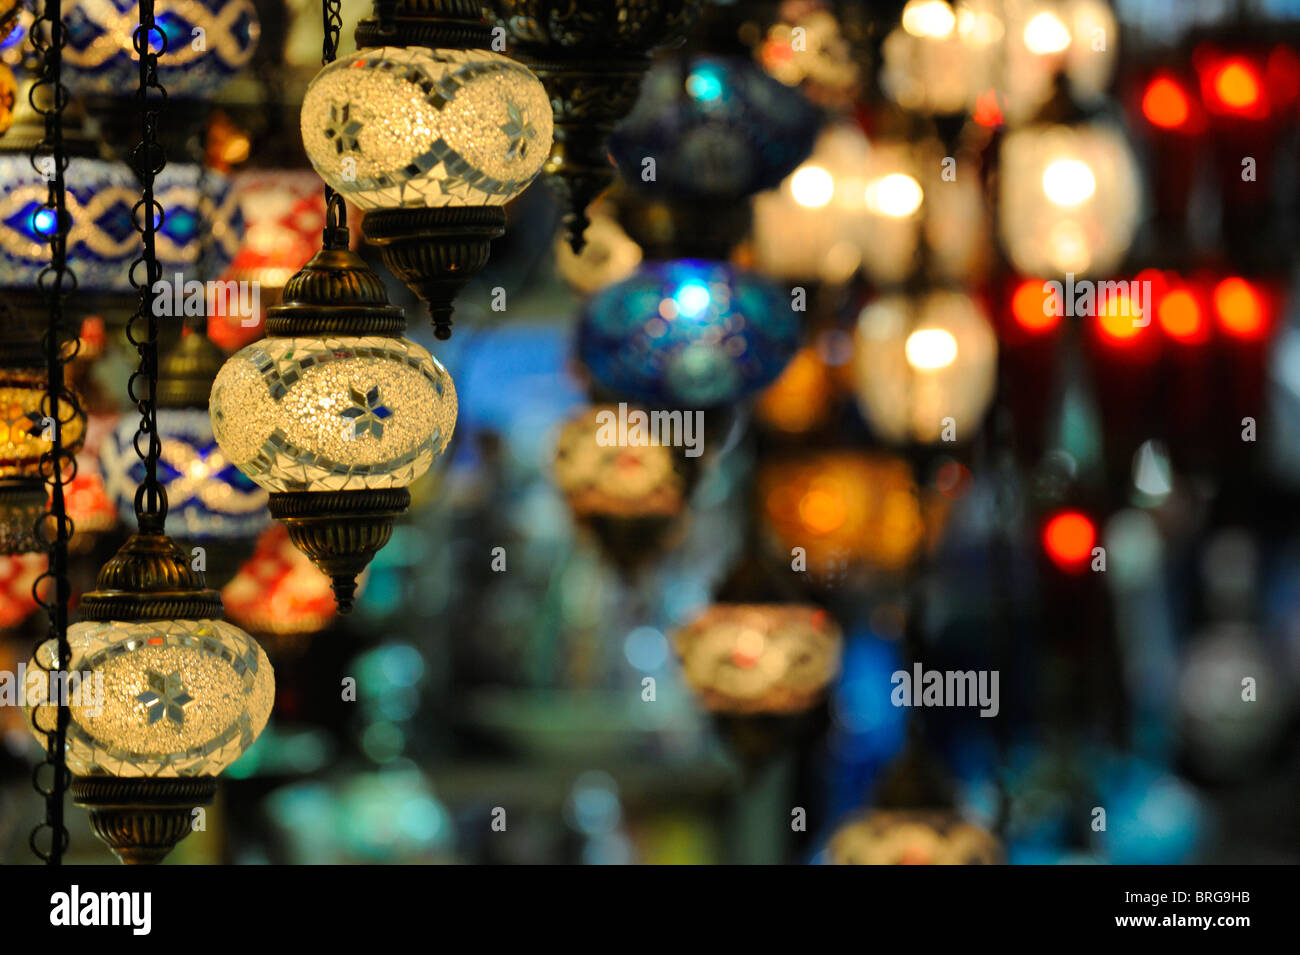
[(101, 239), (210, 502), (203, 225), (717, 128), (99, 57), (689, 333)]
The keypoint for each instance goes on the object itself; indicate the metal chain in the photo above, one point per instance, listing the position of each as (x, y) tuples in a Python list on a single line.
[(148, 159), (59, 407), (336, 211)]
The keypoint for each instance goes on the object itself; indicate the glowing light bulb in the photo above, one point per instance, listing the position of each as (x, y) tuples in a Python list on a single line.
[(930, 348), (1165, 104), (1045, 33), (1069, 182), (896, 195), (929, 18), (692, 299), (1068, 539), (812, 186)]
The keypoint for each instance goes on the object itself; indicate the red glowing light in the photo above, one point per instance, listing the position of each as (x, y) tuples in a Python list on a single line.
[(1234, 86), (1068, 539), (1117, 317), (987, 111), (1032, 307), (1166, 104), (1240, 308)]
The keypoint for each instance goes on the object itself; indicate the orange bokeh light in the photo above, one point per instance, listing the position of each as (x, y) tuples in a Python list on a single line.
[(1116, 317), (822, 511), (1030, 309), (1236, 85), (1069, 538), (1180, 316), (1165, 104), (1239, 307)]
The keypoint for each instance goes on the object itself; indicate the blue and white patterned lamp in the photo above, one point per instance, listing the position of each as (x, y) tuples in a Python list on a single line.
[(688, 333), (100, 58), (202, 225)]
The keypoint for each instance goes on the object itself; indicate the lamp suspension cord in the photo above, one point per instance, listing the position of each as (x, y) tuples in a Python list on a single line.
[(148, 159), (59, 407), (336, 212)]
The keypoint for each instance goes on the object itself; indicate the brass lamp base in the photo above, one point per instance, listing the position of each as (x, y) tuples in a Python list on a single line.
[(142, 819), (340, 530), (435, 251)]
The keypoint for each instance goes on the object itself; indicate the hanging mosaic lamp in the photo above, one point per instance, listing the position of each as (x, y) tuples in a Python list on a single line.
[(430, 133), (912, 837), (591, 58), (214, 509), (334, 413), (687, 333)]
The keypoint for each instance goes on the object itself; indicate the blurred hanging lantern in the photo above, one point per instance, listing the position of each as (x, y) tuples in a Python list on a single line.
[(926, 367), (1070, 198), (26, 426), (211, 504), (817, 225), (430, 142), (807, 48), (283, 212), (334, 413), (709, 131), (591, 58), (99, 197), (184, 694), (997, 58), (628, 494), (912, 837), (608, 254), (99, 56), (692, 333), (850, 512), (9, 10), (18, 572), (801, 399), (279, 591), (748, 659), (8, 98), (203, 227)]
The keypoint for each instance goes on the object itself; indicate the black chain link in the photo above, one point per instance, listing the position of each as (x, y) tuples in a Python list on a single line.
[(336, 211), (59, 407), (148, 159)]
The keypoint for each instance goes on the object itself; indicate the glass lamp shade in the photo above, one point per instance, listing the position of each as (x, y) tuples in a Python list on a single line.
[(180, 697), (333, 414), (8, 98), (822, 65), (101, 239), (100, 58), (278, 590), (1070, 198), (604, 479), (283, 212), (395, 127), (208, 498), (996, 57), (202, 225), (689, 332), (716, 128), (923, 364), (848, 510), (912, 837), (22, 438), (610, 255), (759, 658)]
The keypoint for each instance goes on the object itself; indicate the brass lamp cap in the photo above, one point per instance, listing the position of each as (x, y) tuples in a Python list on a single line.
[(150, 578), (335, 293), (185, 374)]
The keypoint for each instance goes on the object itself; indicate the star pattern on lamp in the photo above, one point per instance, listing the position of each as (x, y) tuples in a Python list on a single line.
[(342, 128), (518, 130), (166, 696), (367, 413)]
